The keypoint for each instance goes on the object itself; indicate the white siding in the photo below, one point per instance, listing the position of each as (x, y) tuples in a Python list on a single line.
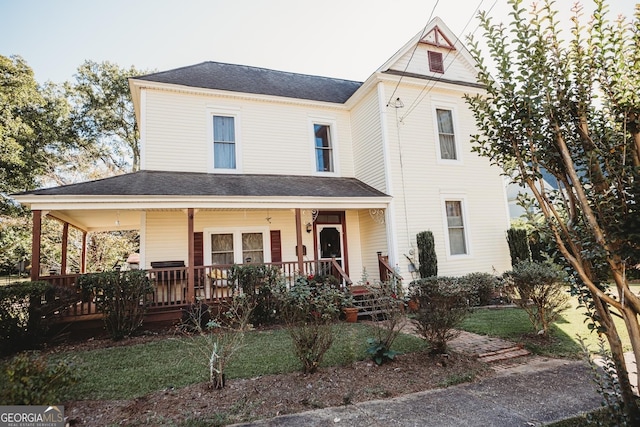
[(455, 65), (165, 237), (420, 181), (274, 138)]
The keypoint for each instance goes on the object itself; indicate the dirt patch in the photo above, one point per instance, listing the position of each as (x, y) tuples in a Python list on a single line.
[(272, 395)]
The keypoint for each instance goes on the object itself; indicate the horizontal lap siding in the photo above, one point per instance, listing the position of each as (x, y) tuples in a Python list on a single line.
[(455, 66), (273, 137), (426, 181), (367, 142)]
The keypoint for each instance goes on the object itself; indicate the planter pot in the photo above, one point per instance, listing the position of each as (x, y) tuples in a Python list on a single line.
[(350, 314), (413, 306)]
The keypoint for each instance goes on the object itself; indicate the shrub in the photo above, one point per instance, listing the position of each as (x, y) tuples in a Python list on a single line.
[(518, 241), (443, 305), (539, 289), (262, 284), (427, 254), (31, 379), (121, 296), (27, 312), (480, 287), (387, 324), (310, 308)]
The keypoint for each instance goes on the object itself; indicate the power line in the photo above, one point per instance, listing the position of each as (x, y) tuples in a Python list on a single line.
[(421, 96), (413, 52)]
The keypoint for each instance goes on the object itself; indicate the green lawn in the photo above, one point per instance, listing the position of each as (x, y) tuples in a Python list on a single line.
[(513, 324), (132, 371)]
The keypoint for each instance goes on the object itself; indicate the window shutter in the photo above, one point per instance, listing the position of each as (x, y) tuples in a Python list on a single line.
[(435, 62), (276, 246), (198, 248)]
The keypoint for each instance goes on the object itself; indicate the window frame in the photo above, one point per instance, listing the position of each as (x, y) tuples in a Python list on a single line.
[(466, 226), (333, 141), (237, 233), (439, 105), (223, 112)]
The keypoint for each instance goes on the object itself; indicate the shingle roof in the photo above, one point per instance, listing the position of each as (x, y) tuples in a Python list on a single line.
[(157, 183), (242, 78)]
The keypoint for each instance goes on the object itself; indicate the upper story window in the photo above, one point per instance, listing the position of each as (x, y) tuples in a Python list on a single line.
[(456, 227), (436, 64), (224, 142), (446, 135), (323, 148)]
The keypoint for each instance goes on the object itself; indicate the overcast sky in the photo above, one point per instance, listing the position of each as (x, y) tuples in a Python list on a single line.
[(337, 38)]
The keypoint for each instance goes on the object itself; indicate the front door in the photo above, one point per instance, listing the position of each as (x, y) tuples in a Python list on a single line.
[(330, 242)]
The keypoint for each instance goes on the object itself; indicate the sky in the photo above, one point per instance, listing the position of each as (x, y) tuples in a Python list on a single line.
[(346, 39)]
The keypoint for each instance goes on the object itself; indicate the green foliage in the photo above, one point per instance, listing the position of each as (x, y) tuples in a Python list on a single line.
[(309, 310), (379, 351), (518, 245), (32, 379), (443, 305), (27, 312), (541, 290), (262, 284), (427, 257), (480, 288), (121, 296)]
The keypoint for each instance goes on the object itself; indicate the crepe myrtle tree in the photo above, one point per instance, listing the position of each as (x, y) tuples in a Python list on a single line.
[(572, 108)]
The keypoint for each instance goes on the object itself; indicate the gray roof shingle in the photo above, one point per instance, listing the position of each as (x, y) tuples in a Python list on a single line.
[(157, 183), (242, 78)]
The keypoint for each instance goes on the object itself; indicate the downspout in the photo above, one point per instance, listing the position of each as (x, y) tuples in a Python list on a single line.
[(390, 216)]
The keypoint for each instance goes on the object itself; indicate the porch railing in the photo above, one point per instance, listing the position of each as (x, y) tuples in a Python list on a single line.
[(211, 283)]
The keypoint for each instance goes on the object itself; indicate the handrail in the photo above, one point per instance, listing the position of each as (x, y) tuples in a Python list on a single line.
[(382, 262), (341, 272)]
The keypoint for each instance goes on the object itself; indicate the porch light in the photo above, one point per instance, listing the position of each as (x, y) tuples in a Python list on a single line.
[(309, 227)]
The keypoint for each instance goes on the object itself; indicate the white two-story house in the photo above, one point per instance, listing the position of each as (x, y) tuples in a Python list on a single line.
[(242, 164)]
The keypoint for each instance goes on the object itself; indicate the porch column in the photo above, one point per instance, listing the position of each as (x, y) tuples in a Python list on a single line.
[(35, 245), (299, 241), (65, 243), (83, 255), (191, 272)]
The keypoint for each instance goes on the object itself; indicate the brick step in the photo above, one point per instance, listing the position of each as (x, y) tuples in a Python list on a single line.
[(504, 354)]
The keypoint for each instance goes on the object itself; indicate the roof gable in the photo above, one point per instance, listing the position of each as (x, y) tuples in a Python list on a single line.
[(246, 79)]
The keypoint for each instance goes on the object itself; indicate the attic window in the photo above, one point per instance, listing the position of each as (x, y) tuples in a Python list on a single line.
[(436, 64)]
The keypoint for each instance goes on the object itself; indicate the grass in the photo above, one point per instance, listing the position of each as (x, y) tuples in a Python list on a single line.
[(131, 371), (513, 324)]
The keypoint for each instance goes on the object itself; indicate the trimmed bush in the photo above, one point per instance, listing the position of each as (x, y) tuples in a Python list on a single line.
[(519, 249), (443, 305), (121, 296), (27, 312), (539, 288), (480, 287), (427, 254), (31, 379)]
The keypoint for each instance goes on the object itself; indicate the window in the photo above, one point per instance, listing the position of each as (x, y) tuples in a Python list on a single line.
[(446, 135), (323, 147), (455, 224), (224, 142), (227, 246), (436, 64)]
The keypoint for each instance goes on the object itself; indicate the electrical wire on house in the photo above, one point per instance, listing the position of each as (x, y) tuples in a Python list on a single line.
[(412, 53), (431, 83)]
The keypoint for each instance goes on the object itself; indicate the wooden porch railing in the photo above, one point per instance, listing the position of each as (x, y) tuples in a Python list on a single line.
[(387, 273), (211, 283)]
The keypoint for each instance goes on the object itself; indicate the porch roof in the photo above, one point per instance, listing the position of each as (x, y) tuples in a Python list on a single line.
[(93, 205), (159, 183)]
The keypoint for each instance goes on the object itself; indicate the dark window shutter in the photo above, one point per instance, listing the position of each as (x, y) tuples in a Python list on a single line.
[(276, 246), (436, 64), (198, 248)]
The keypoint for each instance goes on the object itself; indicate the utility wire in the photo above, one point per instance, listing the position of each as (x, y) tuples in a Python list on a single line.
[(422, 93), (413, 52)]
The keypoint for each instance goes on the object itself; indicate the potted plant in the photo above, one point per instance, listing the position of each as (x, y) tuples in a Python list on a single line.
[(349, 309)]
